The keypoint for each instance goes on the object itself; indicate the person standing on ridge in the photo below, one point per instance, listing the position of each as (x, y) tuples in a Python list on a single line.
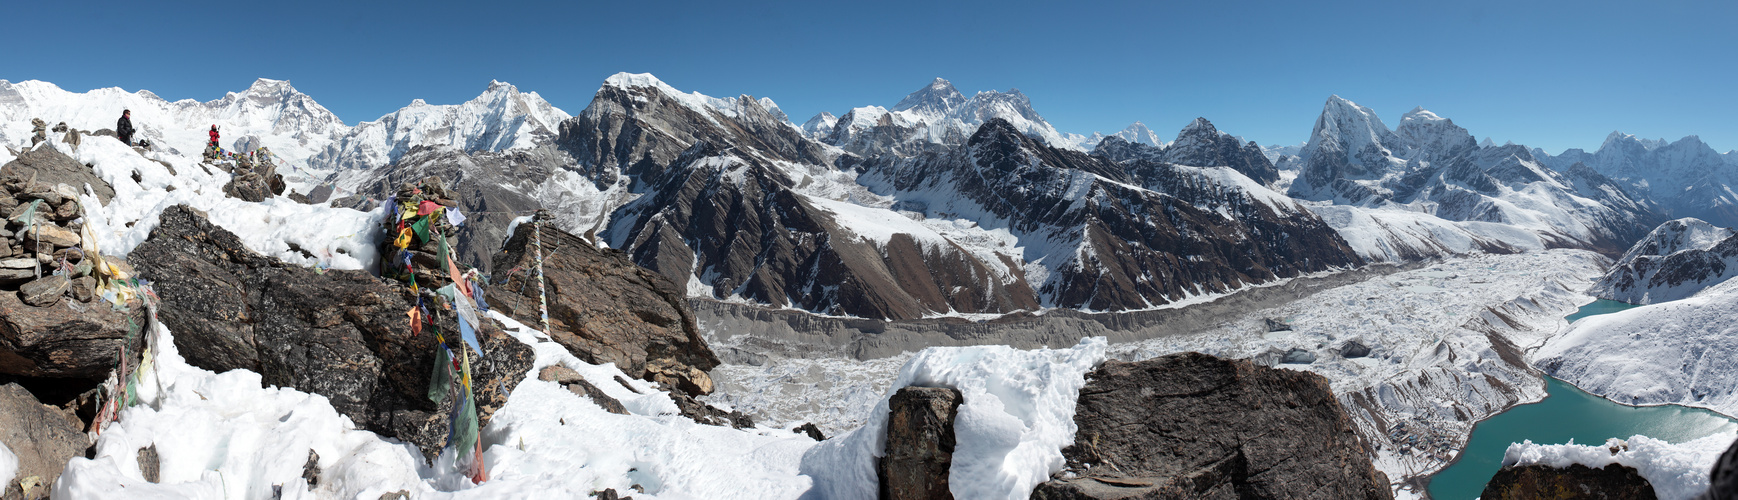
[(213, 144), (124, 127)]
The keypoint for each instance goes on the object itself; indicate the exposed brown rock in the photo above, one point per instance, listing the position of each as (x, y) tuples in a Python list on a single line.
[(341, 334), (604, 309), (1195, 426), (44, 292), (50, 167), (1576, 481), (42, 437), (920, 443), (60, 341)]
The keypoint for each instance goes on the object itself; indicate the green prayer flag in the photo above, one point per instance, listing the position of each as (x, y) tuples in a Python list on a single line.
[(442, 379)]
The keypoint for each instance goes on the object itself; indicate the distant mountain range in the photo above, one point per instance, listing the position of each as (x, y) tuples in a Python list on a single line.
[(943, 204)]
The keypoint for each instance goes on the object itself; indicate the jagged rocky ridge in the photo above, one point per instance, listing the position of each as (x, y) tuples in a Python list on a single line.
[(1686, 178), (673, 176), (1430, 164), (1674, 261)]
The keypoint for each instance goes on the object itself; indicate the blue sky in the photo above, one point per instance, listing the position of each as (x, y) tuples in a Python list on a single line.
[(1547, 74)]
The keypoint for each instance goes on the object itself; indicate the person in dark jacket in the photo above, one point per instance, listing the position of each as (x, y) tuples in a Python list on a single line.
[(124, 127)]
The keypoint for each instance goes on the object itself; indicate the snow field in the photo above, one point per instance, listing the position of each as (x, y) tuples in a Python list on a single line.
[(1017, 414), (332, 237), (1677, 471), (1677, 352)]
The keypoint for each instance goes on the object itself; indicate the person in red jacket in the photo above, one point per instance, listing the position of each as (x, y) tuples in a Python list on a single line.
[(213, 144)]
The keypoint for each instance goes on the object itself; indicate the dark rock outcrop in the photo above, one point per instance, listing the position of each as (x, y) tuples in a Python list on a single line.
[(1723, 478), (1575, 481), (50, 167), (920, 443), (341, 334), (42, 437), (60, 341), (604, 309), (1191, 425)]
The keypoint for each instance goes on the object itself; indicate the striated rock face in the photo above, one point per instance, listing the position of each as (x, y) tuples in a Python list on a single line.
[(920, 443), (42, 438), (604, 309), (59, 341), (1576, 481), (341, 334), (1195, 426)]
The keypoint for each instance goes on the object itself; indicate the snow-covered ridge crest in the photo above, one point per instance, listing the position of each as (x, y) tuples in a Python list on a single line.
[(939, 115), (1676, 260), (499, 119), (269, 112)]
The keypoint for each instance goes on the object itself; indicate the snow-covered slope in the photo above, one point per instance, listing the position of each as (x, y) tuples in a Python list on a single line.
[(270, 112), (1676, 260), (1665, 353), (1671, 352), (501, 118)]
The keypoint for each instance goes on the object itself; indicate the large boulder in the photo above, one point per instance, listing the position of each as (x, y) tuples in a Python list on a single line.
[(1575, 481), (64, 339), (603, 308), (920, 443), (41, 436), (341, 334), (1191, 425), (50, 167)]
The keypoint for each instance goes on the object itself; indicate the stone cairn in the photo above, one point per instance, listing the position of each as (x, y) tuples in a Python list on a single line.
[(42, 246), (255, 176), (418, 234)]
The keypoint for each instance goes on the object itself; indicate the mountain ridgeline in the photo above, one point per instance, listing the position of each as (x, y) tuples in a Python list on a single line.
[(947, 203)]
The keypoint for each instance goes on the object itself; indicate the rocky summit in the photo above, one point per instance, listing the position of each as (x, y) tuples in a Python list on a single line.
[(340, 334)]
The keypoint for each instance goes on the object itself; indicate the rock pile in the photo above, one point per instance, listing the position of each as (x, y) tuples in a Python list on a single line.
[(1575, 481), (420, 234), (51, 278), (255, 176)]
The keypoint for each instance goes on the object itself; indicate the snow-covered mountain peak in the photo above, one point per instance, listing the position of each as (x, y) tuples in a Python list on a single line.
[(499, 119), (1198, 126), (1138, 133), (819, 126), (269, 112), (1420, 114), (938, 98)]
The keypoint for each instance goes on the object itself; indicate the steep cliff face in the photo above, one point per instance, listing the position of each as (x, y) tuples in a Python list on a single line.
[(1194, 426)]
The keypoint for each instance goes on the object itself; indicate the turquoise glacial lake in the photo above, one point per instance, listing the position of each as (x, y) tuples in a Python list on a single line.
[(1568, 413)]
